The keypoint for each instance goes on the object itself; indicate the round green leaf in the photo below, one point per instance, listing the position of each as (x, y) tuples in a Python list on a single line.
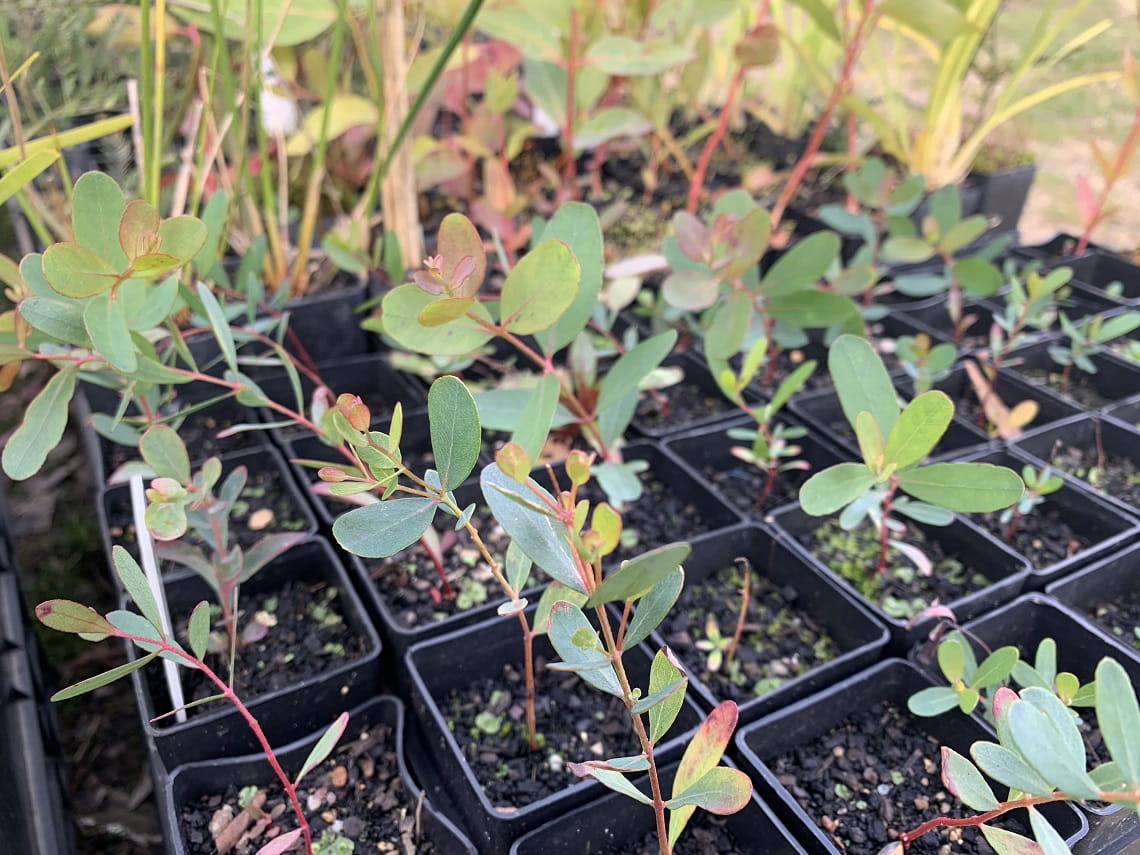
[(539, 288), (75, 271), (384, 528), (828, 491), (400, 318)]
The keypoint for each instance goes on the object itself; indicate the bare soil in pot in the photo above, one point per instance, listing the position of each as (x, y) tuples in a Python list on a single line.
[(1117, 476), (705, 834), (903, 590), (1120, 617), (575, 723), (1041, 536), (357, 793), (779, 641), (1080, 387), (679, 405)]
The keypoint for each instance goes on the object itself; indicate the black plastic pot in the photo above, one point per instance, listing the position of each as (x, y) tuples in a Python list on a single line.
[(697, 379), (369, 376), (114, 505), (1088, 432), (707, 455), (326, 323), (822, 412), (221, 732), (979, 552), (614, 825), (456, 660), (1098, 267), (1003, 194), (893, 680), (1105, 525), (195, 780), (1115, 379), (1110, 579), (1033, 617), (860, 639)]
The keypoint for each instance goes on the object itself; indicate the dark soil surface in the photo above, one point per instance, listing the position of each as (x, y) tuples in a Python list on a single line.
[(874, 775), (1121, 617), (741, 484), (676, 407), (1081, 388), (356, 794), (575, 723), (902, 591), (787, 361), (705, 834), (289, 636), (1041, 536), (1118, 477), (779, 640)]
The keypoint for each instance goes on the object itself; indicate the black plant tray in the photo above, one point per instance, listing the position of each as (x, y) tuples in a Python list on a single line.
[(1110, 579), (1097, 267), (194, 780), (977, 550), (613, 825), (456, 660), (221, 732), (1115, 379), (892, 680), (695, 375), (327, 323), (859, 637)]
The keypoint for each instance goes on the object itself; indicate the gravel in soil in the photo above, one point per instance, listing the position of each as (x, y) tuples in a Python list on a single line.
[(1041, 535), (356, 795), (902, 591), (705, 834), (575, 723), (678, 406), (873, 776), (778, 643), (1120, 617), (1117, 476), (285, 636), (1080, 389)]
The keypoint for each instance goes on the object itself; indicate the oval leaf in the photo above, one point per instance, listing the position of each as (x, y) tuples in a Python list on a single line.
[(539, 288), (400, 320), (920, 426), (636, 577), (963, 779), (453, 420), (384, 528), (828, 491), (165, 453), (964, 487), (323, 747), (44, 420)]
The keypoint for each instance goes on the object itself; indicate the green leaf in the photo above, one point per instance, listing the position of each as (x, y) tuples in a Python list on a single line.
[(22, 174), (729, 326), (978, 277), (801, 266), (576, 224), (636, 577), (1118, 716), (42, 427), (181, 237), (555, 592), (616, 781), (400, 319), (1040, 742), (577, 643), (59, 319), (384, 528), (667, 685), (963, 780), (97, 206), (621, 55), (517, 566), (165, 453), (520, 511), (920, 426), (539, 288), (691, 290), (963, 487), (962, 234), (906, 249), (1008, 768), (995, 668), (701, 755), (214, 218), (821, 15), (445, 310), (720, 790), (749, 238), (862, 382), (1048, 839), (100, 680), (453, 421), (815, 309), (632, 367), (75, 271), (144, 634), (952, 659), (932, 701), (219, 325), (653, 607), (136, 585), (828, 491), (157, 306), (199, 629), (870, 438), (284, 23), (1009, 842), (609, 124), (110, 335), (138, 229), (790, 385), (939, 20), (324, 747), (537, 416), (76, 618)]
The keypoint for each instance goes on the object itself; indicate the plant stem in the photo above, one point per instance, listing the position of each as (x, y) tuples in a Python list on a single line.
[(884, 529), (696, 185), (1119, 166), (745, 590)]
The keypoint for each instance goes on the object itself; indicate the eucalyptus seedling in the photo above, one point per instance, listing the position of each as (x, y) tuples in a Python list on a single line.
[(894, 444), (1039, 483), (1086, 338)]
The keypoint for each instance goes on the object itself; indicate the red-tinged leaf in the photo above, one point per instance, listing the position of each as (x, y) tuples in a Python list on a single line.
[(280, 844), (1008, 843), (324, 746), (692, 236), (691, 290), (138, 229), (1003, 697), (963, 780), (70, 616), (462, 251), (702, 754), (720, 790), (935, 610), (1086, 201)]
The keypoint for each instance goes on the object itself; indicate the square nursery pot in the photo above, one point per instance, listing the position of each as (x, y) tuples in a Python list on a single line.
[(1101, 269), (194, 781), (707, 456), (814, 721), (299, 705), (1004, 571), (1049, 536), (1073, 448), (1115, 379), (326, 324), (268, 486), (370, 377), (614, 825), (199, 430), (695, 402), (1010, 390), (1023, 624), (1107, 595), (822, 412), (1003, 193), (469, 657), (810, 602)]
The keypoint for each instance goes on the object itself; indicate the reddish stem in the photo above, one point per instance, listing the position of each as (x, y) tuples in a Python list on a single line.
[(884, 529), (698, 182), (1118, 168)]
